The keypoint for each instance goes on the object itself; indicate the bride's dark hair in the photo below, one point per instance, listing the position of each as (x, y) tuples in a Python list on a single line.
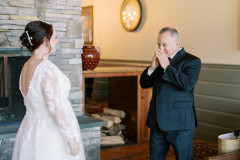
[(35, 33)]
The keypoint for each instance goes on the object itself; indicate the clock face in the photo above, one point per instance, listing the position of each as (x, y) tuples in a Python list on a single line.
[(131, 14)]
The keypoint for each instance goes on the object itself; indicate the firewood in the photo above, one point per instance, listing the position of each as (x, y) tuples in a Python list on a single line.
[(108, 123), (111, 140), (103, 135), (114, 130), (115, 119), (120, 133), (114, 112), (91, 108), (104, 130)]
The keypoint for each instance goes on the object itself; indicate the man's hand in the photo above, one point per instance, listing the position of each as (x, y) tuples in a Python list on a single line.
[(155, 62), (162, 58)]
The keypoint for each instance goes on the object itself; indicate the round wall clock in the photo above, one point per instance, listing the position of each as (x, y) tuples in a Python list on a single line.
[(131, 14)]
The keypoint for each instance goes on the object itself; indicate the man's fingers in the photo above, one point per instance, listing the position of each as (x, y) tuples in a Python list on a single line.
[(161, 51), (163, 56), (159, 55), (155, 55)]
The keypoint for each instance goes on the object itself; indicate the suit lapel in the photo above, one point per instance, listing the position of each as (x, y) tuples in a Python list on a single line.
[(180, 54)]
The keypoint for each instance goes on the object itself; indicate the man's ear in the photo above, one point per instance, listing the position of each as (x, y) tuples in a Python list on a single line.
[(177, 42)]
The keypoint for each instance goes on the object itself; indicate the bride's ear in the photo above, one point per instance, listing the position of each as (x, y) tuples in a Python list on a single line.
[(46, 41)]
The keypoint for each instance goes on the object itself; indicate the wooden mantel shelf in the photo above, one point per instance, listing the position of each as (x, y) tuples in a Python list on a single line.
[(113, 71), (12, 52)]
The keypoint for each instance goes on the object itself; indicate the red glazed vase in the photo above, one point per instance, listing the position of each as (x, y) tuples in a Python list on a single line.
[(90, 57)]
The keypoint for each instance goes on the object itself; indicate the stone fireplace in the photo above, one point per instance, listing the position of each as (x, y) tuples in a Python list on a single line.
[(64, 15)]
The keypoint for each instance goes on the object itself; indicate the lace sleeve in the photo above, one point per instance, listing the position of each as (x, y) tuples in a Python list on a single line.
[(52, 96)]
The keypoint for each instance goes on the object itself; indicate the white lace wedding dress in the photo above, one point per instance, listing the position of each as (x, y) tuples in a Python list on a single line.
[(50, 120)]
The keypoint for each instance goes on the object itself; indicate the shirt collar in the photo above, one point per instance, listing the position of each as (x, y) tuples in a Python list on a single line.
[(175, 53)]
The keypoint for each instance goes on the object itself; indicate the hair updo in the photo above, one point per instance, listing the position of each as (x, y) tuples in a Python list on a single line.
[(34, 34)]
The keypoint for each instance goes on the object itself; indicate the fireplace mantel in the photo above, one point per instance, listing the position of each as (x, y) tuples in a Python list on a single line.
[(13, 52)]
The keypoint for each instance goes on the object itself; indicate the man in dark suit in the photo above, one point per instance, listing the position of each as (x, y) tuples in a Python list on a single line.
[(173, 75)]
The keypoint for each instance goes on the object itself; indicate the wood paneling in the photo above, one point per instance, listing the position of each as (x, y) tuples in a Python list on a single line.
[(220, 104), (145, 100), (224, 90), (217, 101), (217, 118)]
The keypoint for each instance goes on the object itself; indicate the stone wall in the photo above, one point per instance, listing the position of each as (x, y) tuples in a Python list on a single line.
[(64, 15)]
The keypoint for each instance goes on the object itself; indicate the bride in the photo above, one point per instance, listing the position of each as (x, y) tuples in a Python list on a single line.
[(49, 130)]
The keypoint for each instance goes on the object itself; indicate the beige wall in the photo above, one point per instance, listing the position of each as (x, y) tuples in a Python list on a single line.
[(209, 29)]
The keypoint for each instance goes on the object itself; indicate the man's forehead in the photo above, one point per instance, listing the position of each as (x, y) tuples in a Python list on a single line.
[(165, 35), (164, 38)]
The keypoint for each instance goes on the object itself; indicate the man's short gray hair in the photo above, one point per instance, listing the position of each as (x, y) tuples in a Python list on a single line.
[(173, 32)]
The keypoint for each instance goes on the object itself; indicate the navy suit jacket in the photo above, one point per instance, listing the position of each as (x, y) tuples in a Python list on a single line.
[(172, 104)]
